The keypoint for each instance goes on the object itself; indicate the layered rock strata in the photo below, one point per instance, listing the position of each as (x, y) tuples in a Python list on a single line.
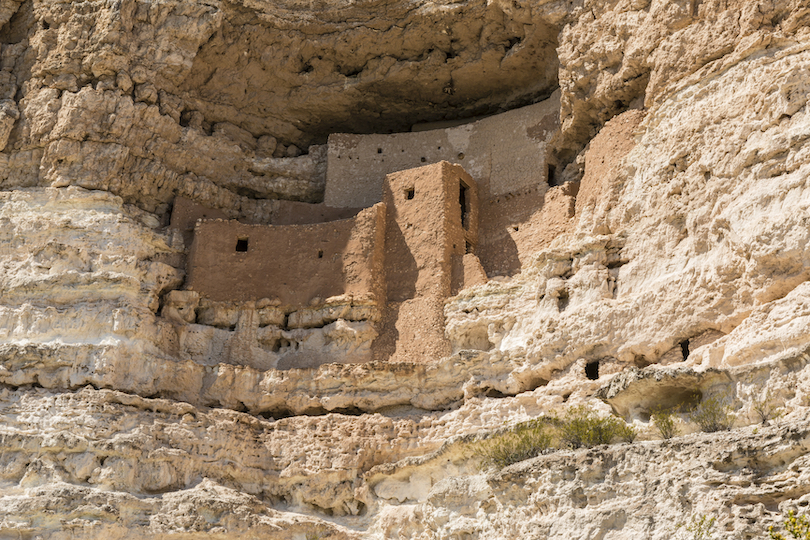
[(680, 270)]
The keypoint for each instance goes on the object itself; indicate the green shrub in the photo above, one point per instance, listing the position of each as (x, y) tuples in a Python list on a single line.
[(701, 527), (627, 433), (524, 441), (664, 420), (765, 409), (581, 427), (797, 526), (713, 414)]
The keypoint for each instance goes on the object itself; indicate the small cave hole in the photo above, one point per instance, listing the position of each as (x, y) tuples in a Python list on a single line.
[(347, 411), (562, 300), (468, 247), (409, 193), (379, 150), (685, 348), (320, 254), (515, 228), (640, 362), (242, 245), (492, 393), (551, 174), (592, 370), (423, 160), (46, 25), (461, 155)]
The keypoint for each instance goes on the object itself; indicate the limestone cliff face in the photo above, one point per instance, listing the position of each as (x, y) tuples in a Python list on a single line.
[(679, 262)]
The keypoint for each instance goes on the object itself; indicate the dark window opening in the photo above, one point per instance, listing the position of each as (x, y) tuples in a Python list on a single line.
[(464, 203), (379, 150), (592, 370), (320, 254), (685, 348), (242, 244), (409, 193), (552, 175)]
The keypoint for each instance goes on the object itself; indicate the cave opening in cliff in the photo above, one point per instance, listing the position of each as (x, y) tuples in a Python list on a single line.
[(592, 370), (685, 348), (242, 245), (263, 81), (562, 300)]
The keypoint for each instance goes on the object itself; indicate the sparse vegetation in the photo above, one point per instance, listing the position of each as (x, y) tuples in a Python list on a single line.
[(580, 427), (664, 421), (713, 414), (524, 441), (797, 526), (627, 433), (701, 527), (765, 409)]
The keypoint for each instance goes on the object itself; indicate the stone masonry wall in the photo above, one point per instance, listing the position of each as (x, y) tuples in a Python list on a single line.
[(294, 263)]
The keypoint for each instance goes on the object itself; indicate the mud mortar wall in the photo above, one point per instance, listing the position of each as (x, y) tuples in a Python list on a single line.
[(681, 266), (232, 261), (505, 153), (425, 235)]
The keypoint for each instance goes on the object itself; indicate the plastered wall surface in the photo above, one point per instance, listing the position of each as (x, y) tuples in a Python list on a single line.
[(185, 214), (425, 235), (301, 213), (232, 261), (504, 153)]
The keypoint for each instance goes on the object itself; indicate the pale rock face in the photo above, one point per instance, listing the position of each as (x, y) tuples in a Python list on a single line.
[(132, 409)]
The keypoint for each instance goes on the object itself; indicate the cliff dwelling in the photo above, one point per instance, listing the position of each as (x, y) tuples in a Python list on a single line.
[(408, 220), (404, 270)]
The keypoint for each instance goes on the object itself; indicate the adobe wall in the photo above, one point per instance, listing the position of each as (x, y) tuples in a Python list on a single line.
[(425, 237), (301, 213), (294, 263), (504, 153), (185, 214)]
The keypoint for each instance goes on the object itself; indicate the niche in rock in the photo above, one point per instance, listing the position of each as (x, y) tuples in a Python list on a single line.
[(592, 370)]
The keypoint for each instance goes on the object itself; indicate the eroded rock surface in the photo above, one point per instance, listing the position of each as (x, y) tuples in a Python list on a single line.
[(673, 256)]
